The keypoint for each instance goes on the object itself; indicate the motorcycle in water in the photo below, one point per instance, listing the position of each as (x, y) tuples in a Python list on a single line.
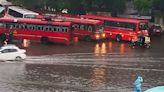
[(141, 41)]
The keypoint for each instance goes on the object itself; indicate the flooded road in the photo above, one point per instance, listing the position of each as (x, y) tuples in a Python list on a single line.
[(84, 67)]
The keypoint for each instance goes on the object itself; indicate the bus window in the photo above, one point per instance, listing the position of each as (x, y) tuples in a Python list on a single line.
[(143, 26), (7, 25), (25, 26), (54, 29), (17, 26), (100, 28), (1, 25), (58, 29), (75, 26), (41, 28), (127, 26), (90, 28), (38, 27), (111, 24), (15, 13), (46, 28), (106, 23), (50, 29), (30, 27), (120, 25), (82, 27), (64, 29)]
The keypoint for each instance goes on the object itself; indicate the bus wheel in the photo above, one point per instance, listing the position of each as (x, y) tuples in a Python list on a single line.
[(88, 38), (118, 38), (44, 40), (2, 37)]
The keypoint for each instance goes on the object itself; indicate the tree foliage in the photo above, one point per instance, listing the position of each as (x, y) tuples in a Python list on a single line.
[(143, 6), (158, 5), (116, 6)]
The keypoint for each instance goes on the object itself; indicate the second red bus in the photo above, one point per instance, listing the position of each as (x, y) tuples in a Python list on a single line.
[(121, 28)]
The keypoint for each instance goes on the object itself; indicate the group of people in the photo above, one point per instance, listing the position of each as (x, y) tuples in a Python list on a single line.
[(141, 39)]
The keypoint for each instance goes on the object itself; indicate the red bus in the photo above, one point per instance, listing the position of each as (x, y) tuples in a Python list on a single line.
[(121, 28), (34, 29), (86, 29)]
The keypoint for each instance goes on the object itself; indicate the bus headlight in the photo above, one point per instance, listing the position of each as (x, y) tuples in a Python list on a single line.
[(103, 35), (97, 36)]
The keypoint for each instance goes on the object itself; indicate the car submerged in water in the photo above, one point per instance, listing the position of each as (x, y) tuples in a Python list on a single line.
[(12, 52)]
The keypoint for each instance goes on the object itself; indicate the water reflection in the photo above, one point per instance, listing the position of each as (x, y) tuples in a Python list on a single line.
[(86, 69), (61, 76), (100, 49), (122, 48), (98, 76), (110, 46), (26, 43), (103, 48), (72, 77)]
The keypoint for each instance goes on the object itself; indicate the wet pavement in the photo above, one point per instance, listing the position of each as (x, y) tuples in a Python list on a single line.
[(84, 67)]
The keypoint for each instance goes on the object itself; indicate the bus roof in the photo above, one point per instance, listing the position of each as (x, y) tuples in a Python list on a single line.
[(113, 18), (22, 10), (78, 20), (36, 21)]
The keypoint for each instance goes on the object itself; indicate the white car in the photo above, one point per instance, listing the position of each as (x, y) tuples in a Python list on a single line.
[(12, 52)]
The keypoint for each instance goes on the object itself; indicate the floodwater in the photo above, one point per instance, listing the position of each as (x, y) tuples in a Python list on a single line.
[(84, 67)]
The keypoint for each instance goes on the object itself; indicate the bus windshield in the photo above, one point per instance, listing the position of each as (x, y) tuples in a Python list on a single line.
[(100, 28), (143, 26)]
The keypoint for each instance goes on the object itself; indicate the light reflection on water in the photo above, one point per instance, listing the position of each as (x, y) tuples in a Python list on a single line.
[(110, 47), (100, 49), (26, 43), (98, 76), (122, 48), (103, 48)]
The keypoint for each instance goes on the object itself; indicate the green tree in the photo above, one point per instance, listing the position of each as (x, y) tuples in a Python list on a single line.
[(116, 6), (76, 6), (87, 4), (158, 5), (143, 6)]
